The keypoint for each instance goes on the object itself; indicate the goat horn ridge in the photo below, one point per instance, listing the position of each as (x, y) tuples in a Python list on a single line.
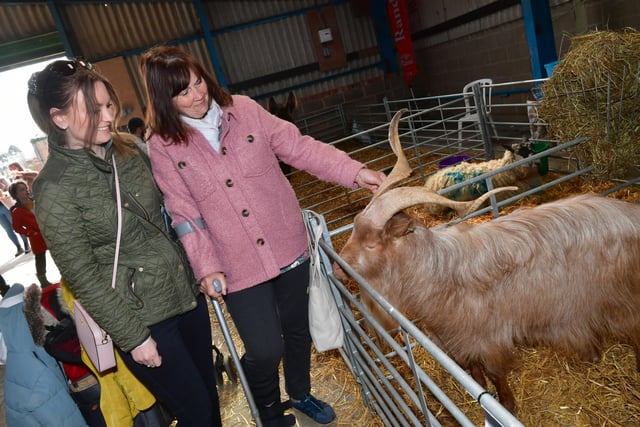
[(397, 199), (387, 201), (401, 169)]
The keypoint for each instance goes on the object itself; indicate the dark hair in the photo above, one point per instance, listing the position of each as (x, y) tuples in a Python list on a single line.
[(57, 86), (135, 123), (166, 71), (13, 188)]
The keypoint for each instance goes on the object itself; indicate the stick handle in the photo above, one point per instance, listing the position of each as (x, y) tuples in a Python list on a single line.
[(217, 285)]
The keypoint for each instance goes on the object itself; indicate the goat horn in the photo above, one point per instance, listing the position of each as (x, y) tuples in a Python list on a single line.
[(397, 199), (401, 169)]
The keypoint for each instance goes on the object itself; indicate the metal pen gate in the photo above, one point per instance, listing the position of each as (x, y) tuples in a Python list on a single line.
[(398, 398)]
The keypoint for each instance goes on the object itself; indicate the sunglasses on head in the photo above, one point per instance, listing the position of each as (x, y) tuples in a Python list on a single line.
[(68, 68), (61, 68)]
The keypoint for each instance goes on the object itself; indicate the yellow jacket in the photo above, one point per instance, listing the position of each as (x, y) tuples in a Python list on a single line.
[(122, 395)]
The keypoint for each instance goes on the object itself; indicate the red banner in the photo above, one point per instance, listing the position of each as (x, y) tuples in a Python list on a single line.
[(399, 21)]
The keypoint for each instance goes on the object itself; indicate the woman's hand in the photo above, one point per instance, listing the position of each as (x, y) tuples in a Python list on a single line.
[(147, 354), (369, 179), (206, 284)]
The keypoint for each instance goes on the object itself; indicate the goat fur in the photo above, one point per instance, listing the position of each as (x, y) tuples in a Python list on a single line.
[(564, 275)]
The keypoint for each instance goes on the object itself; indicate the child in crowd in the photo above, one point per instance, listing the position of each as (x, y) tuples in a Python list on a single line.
[(24, 222)]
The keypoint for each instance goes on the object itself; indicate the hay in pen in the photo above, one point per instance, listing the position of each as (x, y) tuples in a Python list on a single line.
[(594, 92)]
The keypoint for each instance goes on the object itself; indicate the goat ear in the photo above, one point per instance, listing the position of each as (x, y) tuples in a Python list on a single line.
[(271, 105), (292, 102), (399, 225)]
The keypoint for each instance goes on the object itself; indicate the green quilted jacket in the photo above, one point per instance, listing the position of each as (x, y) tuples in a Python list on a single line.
[(76, 209)]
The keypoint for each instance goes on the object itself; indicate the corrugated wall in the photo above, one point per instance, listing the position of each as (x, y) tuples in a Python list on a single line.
[(102, 30), (252, 39), (266, 47), (22, 21)]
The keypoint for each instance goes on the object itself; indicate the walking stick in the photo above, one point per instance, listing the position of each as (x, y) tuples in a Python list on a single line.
[(234, 354)]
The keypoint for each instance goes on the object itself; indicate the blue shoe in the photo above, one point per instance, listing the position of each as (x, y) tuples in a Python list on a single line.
[(317, 410)]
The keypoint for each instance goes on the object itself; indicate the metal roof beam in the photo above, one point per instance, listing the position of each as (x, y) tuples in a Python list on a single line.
[(55, 13), (17, 53)]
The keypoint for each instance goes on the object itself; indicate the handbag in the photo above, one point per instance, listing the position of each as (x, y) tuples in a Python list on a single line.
[(96, 341), (156, 416), (325, 325)]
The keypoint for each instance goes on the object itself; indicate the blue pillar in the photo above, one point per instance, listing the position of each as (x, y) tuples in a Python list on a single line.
[(55, 13), (212, 48), (539, 28), (386, 44)]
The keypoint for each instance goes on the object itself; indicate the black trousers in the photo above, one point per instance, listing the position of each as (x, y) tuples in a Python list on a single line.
[(41, 268), (273, 322), (186, 380)]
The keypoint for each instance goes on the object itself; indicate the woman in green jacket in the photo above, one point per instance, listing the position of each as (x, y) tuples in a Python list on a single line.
[(158, 320)]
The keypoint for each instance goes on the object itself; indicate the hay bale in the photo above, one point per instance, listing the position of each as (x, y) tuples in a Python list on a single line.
[(593, 92)]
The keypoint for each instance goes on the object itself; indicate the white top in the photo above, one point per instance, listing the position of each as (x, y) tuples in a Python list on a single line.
[(209, 125)]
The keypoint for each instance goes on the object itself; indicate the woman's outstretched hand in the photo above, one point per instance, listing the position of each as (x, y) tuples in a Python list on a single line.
[(369, 179)]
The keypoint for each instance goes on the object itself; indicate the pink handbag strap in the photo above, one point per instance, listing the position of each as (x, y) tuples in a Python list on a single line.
[(119, 232)]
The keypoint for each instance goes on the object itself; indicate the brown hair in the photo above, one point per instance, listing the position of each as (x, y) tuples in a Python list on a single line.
[(13, 189), (166, 72), (57, 86)]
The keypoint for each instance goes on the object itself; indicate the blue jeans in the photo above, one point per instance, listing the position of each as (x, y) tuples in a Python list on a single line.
[(5, 221)]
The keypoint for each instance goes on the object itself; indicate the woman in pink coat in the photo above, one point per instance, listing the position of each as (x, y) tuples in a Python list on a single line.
[(215, 158)]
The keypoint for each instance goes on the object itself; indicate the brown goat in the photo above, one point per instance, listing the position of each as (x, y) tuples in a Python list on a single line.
[(565, 274), (285, 112)]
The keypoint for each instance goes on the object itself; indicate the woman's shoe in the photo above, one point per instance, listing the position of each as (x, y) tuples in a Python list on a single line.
[(274, 416), (319, 411)]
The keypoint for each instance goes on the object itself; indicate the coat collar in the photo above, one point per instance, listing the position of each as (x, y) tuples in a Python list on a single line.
[(14, 296), (84, 154)]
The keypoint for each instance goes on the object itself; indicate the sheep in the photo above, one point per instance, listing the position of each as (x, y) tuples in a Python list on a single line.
[(461, 172), (564, 275)]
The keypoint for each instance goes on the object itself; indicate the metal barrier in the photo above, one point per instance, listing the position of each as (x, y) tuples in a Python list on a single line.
[(399, 398), (430, 133)]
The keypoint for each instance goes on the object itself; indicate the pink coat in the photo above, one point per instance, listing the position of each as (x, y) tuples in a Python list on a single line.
[(253, 224)]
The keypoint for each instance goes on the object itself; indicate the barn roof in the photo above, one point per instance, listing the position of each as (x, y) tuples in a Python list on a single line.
[(252, 47)]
